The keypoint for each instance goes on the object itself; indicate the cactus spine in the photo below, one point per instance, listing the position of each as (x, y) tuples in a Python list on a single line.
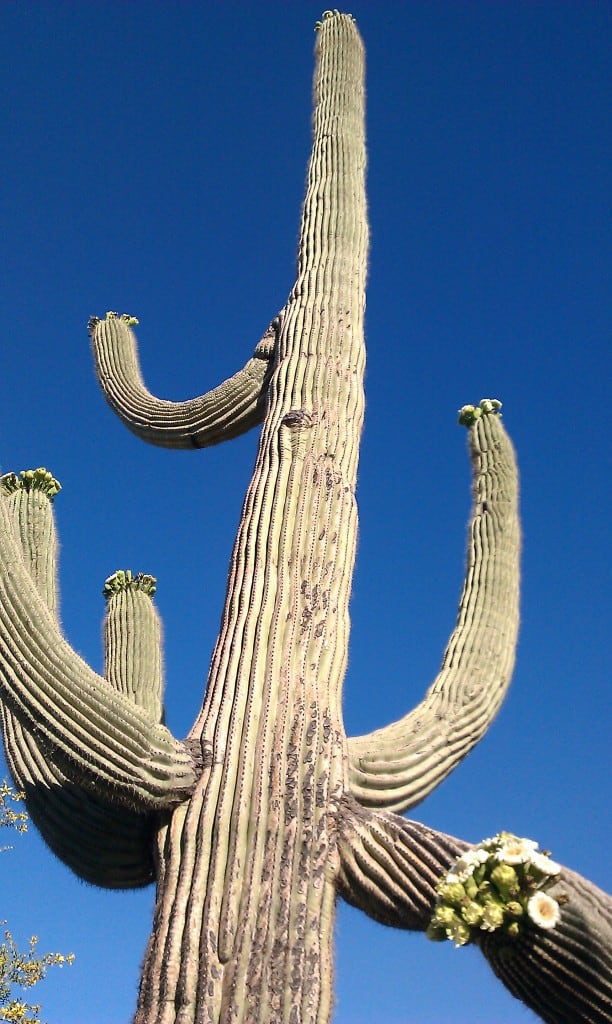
[(267, 812)]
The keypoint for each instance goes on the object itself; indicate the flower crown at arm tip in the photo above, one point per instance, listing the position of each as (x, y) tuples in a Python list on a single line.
[(112, 314), (468, 414), (123, 579), (327, 15), (31, 480)]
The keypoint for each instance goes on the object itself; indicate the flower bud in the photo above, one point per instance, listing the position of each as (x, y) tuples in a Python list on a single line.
[(471, 888), (459, 933), (492, 917), (443, 916), (452, 892), (472, 913), (506, 879)]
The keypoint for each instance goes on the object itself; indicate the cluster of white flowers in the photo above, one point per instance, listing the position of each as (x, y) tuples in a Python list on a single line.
[(498, 884)]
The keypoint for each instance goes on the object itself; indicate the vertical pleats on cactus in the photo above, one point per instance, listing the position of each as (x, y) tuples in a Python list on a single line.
[(267, 813)]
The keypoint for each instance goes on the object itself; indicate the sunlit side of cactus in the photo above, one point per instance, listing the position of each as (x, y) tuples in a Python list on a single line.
[(267, 813)]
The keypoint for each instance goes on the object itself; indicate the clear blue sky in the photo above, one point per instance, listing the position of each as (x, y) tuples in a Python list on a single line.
[(154, 161)]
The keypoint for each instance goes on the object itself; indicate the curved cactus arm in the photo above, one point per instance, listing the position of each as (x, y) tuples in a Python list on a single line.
[(96, 736), (392, 869), (397, 766), (227, 411), (103, 844), (564, 975)]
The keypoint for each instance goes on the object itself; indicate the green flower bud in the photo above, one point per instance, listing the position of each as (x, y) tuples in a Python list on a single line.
[(489, 405), (459, 933), (514, 908), (492, 916), (506, 880), (467, 415), (472, 914), (443, 916), (31, 480), (471, 887), (451, 892), (513, 929)]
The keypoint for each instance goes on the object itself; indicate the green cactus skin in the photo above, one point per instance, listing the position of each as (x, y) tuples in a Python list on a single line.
[(133, 661), (286, 813), (235, 406), (257, 827), (105, 844), (390, 868), (28, 498), (101, 740), (397, 766)]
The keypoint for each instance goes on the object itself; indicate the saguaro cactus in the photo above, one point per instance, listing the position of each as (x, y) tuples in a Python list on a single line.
[(255, 824)]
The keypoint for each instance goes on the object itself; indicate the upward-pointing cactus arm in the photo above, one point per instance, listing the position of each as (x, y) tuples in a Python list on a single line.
[(397, 766), (227, 411), (99, 738), (103, 843)]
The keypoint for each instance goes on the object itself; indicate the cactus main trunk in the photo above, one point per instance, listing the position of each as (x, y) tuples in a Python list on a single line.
[(244, 919), (276, 809)]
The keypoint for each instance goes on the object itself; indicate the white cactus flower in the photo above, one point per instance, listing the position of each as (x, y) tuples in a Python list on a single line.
[(543, 910), (516, 851), (544, 864)]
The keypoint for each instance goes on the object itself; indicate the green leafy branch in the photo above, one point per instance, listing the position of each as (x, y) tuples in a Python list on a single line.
[(21, 970)]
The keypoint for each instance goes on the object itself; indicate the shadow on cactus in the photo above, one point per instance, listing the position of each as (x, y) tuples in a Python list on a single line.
[(267, 813)]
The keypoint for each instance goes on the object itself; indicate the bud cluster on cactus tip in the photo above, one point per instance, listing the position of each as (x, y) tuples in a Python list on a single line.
[(31, 480), (124, 580), (468, 414), (326, 16), (498, 885), (127, 318)]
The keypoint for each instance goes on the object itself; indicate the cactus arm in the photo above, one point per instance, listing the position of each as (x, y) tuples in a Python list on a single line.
[(29, 498), (103, 844), (227, 411), (397, 766), (99, 738), (133, 641), (563, 975), (390, 868)]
